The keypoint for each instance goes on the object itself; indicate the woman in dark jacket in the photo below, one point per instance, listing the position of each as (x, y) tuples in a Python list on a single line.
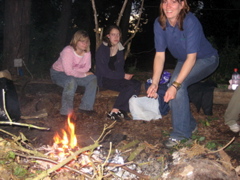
[(110, 73)]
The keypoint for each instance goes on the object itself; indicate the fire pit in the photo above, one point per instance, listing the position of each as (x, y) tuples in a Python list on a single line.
[(93, 162)]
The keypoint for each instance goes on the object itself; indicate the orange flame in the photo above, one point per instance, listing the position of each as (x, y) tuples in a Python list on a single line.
[(69, 139)]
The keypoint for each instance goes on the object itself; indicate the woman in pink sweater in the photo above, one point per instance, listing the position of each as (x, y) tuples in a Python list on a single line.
[(72, 69)]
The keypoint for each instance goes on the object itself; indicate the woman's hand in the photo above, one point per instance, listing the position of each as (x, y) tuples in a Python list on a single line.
[(152, 91), (89, 73), (170, 94), (128, 76)]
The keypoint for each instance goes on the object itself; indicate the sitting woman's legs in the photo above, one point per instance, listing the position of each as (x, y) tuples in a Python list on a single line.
[(127, 89), (69, 85), (88, 99)]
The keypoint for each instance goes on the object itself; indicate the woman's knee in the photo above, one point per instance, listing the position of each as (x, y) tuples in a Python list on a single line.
[(70, 84), (93, 81)]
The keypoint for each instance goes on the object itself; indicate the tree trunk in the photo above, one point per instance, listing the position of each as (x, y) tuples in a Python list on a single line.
[(16, 33), (63, 25)]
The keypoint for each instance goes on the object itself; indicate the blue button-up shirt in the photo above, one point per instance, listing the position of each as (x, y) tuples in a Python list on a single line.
[(180, 43)]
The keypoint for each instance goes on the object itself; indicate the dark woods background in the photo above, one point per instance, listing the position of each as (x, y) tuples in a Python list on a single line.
[(36, 31)]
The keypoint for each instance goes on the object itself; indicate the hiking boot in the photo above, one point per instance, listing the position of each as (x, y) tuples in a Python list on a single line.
[(171, 143), (235, 128)]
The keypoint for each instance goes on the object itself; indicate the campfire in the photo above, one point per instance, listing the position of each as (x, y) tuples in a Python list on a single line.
[(87, 162), (65, 142)]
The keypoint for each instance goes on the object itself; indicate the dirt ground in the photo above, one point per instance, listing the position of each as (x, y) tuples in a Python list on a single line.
[(41, 98)]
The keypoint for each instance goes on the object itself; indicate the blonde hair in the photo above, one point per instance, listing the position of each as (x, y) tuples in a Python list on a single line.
[(163, 19), (80, 35)]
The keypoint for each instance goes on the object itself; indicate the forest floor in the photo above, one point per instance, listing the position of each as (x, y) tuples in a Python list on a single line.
[(41, 101)]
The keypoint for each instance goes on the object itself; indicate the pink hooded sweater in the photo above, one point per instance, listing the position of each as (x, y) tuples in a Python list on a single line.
[(73, 64)]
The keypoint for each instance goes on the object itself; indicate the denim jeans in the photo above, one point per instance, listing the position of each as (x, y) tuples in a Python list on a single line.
[(182, 120), (69, 85)]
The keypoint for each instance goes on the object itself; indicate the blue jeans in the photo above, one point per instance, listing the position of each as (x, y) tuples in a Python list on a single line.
[(69, 85), (182, 120)]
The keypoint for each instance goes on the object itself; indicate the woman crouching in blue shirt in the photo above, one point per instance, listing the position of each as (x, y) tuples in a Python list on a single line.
[(181, 32)]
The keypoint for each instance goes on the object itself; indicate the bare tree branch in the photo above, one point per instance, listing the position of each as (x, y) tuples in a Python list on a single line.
[(97, 33), (121, 12), (137, 25)]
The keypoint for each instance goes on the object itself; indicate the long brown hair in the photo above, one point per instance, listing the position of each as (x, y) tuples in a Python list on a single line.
[(107, 32), (163, 19)]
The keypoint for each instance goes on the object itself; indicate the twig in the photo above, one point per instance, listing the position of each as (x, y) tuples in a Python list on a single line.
[(106, 127), (109, 152), (102, 165), (51, 161), (34, 152), (142, 176), (4, 106), (24, 124), (15, 138), (10, 134), (67, 160), (210, 152), (15, 123), (17, 145)]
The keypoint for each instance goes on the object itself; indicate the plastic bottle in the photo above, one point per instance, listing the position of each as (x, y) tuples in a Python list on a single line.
[(235, 79)]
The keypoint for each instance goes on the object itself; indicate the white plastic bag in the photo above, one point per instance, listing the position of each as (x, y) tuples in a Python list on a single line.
[(144, 108)]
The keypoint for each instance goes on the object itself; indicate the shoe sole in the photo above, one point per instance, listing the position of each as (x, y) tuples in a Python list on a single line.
[(188, 142), (195, 130)]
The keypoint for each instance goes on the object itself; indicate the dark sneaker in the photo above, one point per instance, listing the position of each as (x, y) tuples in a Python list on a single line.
[(120, 114), (171, 143), (124, 115), (88, 112), (116, 116)]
